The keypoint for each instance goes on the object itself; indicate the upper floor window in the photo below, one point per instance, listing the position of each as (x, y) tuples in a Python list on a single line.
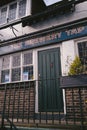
[(3, 15), (22, 8), (13, 11)]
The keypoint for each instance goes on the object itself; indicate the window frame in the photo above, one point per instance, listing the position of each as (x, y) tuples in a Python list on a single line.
[(27, 65), (18, 14), (21, 67), (17, 11), (5, 6), (15, 67), (81, 40), (15, 2), (83, 50), (4, 69)]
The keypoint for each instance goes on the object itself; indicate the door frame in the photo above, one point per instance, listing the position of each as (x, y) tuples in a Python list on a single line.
[(35, 56)]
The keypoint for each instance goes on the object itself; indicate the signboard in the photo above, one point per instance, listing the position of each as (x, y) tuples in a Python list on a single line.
[(45, 39)]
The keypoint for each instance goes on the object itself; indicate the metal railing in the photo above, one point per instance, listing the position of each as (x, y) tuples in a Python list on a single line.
[(11, 124), (43, 103)]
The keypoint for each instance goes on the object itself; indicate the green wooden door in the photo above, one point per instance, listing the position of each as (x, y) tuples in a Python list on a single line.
[(49, 69)]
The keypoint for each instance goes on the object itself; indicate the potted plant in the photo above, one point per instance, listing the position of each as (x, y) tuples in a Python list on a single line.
[(77, 75)]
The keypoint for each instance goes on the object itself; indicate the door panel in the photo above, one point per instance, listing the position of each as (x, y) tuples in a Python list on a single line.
[(50, 95)]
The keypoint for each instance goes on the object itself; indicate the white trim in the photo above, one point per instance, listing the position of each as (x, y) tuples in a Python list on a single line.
[(0, 68), (64, 101), (35, 62), (10, 67), (83, 39), (28, 10), (80, 39), (28, 7), (20, 66)]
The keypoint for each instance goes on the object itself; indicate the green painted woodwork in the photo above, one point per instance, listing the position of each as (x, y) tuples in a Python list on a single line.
[(50, 95)]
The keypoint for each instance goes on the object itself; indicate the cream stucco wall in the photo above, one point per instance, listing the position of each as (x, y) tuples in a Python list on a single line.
[(79, 13), (67, 55)]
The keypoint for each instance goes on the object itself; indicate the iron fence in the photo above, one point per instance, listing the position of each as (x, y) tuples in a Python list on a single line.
[(34, 103)]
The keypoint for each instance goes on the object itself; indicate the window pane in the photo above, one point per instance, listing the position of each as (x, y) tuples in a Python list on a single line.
[(5, 76), (3, 15), (28, 73), (16, 60), (22, 8), (5, 62), (16, 74), (82, 48), (83, 52), (12, 11), (27, 58)]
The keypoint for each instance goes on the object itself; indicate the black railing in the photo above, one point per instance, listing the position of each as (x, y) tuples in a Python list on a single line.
[(11, 124), (43, 103)]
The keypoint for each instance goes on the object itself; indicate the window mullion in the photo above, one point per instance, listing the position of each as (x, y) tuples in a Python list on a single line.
[(7, 18), (0, 68), (33, 63), (17, 9), (10, 68), (21, 66)]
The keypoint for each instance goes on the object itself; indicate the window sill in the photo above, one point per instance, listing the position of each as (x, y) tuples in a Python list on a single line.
[(11, 23), (32, 80)]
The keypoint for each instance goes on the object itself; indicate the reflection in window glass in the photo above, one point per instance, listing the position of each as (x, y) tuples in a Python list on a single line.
[(16, 60), (5, 62), (28, 72), (4, 76), (82, 49), (22, 8), (16, 74), (27, 58), (3, 15), (12, 11)]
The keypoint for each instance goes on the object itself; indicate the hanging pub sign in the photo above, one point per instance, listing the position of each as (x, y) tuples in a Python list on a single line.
[(45, 39)]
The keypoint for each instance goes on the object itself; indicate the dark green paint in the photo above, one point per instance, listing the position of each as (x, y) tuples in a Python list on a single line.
[(50, 95)]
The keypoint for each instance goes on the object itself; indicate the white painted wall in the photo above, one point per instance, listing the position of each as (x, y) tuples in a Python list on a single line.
[(67, 55), (80, 12)]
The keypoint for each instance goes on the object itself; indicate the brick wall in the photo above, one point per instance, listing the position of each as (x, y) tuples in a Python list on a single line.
[(76, 103), (19, 100)]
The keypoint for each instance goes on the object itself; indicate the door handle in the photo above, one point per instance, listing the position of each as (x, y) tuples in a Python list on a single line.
[(39, 76)]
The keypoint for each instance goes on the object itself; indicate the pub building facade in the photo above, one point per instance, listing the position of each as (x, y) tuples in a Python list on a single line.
[(37, 44)]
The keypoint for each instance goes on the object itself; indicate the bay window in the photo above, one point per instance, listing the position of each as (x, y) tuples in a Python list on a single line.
[(13, 11), (3, 15), (22, 8)]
